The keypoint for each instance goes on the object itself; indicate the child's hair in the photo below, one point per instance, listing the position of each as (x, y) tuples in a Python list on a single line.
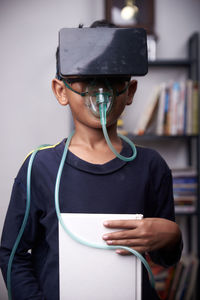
[(95, 24), (102, 23)]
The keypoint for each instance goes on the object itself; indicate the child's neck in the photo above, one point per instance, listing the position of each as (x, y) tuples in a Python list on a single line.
[(90, 145)]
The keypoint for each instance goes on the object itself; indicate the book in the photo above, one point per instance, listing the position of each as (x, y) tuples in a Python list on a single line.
[(183, 278), (174, 110), (163, 277), (185, 199), (149, 112), (185, 190), (192, 278), (188, 277), (180, 108), (176, 281), (189, 91), (161, 110), (195, 108), (185, 180), (166, 123), (184, 172), (185, 209)]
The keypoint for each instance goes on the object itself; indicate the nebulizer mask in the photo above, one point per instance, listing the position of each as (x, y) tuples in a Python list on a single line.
[(99, 96), (94, 92), (103, 59)]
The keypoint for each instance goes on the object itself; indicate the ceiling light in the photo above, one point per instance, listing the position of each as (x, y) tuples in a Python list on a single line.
[(129, 11)]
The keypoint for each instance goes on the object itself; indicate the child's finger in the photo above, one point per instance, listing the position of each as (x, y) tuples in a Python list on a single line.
[(125, 252), (129, 224), (127, 243), (122, 234)]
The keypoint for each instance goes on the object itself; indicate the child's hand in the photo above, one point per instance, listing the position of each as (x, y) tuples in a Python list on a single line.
[(143, 235)]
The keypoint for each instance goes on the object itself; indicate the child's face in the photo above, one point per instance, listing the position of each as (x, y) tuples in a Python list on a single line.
[(78, 104)]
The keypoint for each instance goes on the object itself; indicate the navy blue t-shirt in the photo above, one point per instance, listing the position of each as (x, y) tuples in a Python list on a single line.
[(142, 186)]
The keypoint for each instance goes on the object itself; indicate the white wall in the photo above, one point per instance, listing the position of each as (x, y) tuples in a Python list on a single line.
[(175, 21), (29, 114)]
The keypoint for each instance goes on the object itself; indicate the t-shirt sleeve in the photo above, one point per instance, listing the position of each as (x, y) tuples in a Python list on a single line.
[(24, 284), (162, 200)]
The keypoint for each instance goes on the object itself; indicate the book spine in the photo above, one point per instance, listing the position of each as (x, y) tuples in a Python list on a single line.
[(189, 107), (195, 108), (161, 111), (148, 114), (166, 111), (180, 109)]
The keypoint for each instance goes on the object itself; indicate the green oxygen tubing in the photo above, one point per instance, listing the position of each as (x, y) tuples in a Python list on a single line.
[(23, 226), (102, 110), (80, 240), (69, 232)]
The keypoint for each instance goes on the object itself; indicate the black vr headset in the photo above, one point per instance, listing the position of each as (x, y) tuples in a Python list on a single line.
[(100, 52)]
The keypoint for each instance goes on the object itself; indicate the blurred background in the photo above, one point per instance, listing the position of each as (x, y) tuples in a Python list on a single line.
[(30, 114)]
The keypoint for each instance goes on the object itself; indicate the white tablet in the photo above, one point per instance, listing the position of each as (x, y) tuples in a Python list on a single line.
[(88, 273)]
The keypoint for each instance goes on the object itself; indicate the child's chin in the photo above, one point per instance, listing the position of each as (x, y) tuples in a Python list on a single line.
[(95, 123)]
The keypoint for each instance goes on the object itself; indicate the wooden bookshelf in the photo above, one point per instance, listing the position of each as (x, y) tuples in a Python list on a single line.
[(171, 63), (191, 65), (150, 137)]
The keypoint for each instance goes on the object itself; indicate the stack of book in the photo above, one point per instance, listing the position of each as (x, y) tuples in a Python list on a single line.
[(172, 110), (184, 281), (163, 280), (185, 190), (176, 282)]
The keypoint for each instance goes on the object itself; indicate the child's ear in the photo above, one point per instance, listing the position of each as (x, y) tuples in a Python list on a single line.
[(131, 91), (59, 90)]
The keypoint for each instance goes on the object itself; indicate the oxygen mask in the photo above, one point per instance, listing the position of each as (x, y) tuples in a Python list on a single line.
[(99, 96), (98, 91)]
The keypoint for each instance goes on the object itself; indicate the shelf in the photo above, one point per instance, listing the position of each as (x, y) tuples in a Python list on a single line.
[(191, 144), (148, 137), (171, 63), (186, 214)]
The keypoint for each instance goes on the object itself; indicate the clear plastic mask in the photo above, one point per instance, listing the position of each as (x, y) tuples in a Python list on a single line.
[(96, 94), (96, 91)]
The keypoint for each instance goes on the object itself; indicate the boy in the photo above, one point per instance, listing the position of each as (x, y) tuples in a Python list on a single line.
[(142, 186)]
